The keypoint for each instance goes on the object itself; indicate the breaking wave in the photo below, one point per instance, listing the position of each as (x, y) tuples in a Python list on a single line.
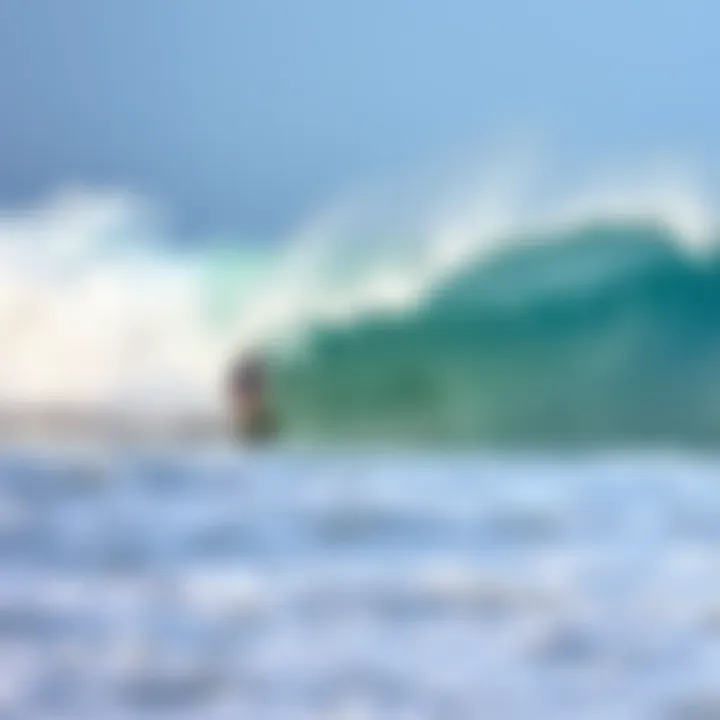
[(595, 317)]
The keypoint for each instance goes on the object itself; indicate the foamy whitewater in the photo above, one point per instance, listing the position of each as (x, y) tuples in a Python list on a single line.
[(387, 587)]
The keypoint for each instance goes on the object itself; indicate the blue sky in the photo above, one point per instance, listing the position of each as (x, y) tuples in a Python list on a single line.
[(244, 115)]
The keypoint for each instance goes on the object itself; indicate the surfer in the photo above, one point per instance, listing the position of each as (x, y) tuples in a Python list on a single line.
[(251, 416)]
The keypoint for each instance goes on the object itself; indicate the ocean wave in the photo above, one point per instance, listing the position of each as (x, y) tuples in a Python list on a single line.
[(595, 316)]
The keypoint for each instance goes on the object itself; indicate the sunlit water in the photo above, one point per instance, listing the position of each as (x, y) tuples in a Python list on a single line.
[(220, 585)]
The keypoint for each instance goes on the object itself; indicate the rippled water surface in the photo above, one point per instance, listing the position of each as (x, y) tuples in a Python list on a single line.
[(212, 585)]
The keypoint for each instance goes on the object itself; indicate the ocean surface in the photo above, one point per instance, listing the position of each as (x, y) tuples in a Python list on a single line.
[(297, 584)]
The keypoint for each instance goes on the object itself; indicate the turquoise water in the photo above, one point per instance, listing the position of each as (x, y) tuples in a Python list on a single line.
[(299, 585), (606, 333)]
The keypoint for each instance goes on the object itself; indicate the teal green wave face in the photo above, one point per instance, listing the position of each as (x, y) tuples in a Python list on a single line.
[(607, 333)]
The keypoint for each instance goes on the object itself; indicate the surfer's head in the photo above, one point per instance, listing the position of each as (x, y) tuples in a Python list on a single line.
[(247, 376)]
